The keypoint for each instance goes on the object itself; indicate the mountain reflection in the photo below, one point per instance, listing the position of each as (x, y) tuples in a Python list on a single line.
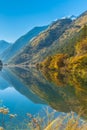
[(62, 93), (12, 79), (1, 65)]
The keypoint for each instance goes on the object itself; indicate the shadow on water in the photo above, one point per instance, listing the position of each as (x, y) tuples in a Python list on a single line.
[(63, 93)]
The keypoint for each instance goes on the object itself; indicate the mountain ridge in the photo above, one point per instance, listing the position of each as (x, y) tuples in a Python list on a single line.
[(4, 45), (45, 39), (59, 37), (20, 43)]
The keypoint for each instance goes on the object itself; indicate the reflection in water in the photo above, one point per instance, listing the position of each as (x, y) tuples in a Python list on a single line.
[(17, 98), (1, 65), (29, 90), (14, 81), (74, 88), (3, 83), (63, 93)]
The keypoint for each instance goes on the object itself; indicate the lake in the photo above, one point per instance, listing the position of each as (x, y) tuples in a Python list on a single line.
[(28, 92)]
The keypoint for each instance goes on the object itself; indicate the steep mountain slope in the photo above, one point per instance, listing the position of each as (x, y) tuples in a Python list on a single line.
[(63, 64), (79, 49), (69, 38), (37, 49), (21, 42), (4, 45), (54, 40)]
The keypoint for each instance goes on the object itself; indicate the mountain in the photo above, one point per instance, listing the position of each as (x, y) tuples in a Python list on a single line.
[(73, 17), (37, 49), (66, 43), (4, 45), (79, 57), (20, 43), (60, 37)]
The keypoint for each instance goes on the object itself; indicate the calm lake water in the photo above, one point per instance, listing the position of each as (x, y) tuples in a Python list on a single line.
[(24, 90)]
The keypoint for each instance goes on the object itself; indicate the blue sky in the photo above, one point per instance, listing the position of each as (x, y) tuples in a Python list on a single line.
[(18, 16)]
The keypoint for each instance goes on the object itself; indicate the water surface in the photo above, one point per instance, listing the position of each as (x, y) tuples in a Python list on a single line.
[(24, 90)]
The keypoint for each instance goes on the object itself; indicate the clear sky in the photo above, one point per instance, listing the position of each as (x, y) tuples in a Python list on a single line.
[(18, 16)]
